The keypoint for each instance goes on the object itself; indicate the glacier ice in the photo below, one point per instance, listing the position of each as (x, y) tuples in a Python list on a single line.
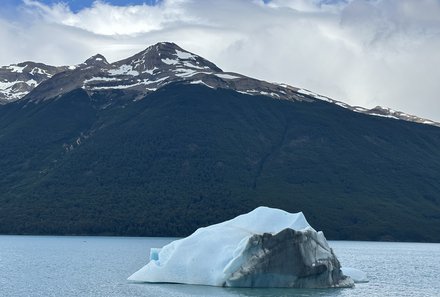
[(266, 247), (358, 276)]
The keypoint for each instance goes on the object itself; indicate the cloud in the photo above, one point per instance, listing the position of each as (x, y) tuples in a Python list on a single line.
[(106, 19), (363, 52)]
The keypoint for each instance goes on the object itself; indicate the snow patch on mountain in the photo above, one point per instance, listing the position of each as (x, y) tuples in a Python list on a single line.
[(4, 85), (15, 68), (190, 65), (226, 76), (159, 80), (170, 61), (116, 87), (184, 55), (124, 70), (315, 95), (201, 82), (185, 72), (94, 79), (151, 71)]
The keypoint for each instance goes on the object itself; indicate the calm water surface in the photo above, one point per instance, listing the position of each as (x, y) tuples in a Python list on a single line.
[(99, 266)]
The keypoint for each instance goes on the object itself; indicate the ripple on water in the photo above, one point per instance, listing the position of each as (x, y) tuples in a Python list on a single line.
[(98, 266)]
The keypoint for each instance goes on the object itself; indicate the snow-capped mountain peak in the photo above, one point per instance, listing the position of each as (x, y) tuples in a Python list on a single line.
[(165, 56), (153, 68), (96, 60), (147, 71)]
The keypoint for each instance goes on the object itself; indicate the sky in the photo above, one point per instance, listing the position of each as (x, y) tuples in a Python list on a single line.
[(362, 52)]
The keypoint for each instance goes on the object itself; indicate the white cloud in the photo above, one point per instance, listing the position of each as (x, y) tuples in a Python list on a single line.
[(364, 52), (106, 19)]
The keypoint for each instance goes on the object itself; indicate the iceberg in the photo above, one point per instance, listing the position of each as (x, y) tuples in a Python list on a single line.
[(266, 247)]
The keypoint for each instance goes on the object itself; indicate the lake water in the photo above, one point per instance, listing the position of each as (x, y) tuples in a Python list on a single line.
[(99, 266)]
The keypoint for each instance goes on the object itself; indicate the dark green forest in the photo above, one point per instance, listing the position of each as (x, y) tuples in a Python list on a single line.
[(187, 156)]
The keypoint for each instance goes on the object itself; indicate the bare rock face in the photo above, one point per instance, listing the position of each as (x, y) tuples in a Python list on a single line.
[(297, 259)]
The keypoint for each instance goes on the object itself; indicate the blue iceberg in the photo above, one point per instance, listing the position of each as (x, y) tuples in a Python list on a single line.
[(266, 247)]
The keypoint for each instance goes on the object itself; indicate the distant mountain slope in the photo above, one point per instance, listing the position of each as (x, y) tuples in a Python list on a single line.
[(127, 161)]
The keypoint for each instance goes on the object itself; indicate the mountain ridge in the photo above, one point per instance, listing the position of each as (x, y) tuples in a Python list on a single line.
[(153, 68)]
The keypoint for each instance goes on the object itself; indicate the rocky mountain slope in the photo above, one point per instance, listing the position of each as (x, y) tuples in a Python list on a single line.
[(164, 142)]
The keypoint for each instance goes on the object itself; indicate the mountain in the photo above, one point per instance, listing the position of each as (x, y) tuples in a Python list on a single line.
[(376, 111), (164, 142), (17, 80), (149, 70)]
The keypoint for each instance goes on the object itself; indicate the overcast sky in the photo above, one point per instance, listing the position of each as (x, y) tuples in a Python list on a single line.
[(363, 52)]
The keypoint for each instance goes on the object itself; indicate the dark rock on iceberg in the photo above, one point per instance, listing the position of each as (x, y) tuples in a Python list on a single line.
[(288, 259)]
